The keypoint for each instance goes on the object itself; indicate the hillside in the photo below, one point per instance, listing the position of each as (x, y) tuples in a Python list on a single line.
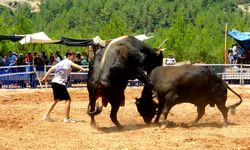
[(14, 3), (192, 29)]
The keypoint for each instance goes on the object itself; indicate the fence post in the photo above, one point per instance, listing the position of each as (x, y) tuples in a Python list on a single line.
[(241, 75)]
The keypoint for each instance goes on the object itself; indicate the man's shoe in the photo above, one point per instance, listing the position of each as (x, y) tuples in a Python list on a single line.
[(68, 120)]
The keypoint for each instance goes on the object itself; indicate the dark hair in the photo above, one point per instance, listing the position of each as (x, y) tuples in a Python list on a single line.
[(68, 53)]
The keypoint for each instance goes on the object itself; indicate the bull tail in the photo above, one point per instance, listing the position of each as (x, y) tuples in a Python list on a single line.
[(232, 107)]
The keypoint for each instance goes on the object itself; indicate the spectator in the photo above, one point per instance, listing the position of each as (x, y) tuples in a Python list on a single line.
[(242, 55), (84, 61), (2, 60), (52, 60), (45, 58), (38, 62), (58, 57), (29, 58), (170, 60), (230, 56), (78, 58), (235, 53), (20, 60), (11, 60)]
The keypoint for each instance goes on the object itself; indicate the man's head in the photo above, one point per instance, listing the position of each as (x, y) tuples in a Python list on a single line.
[(70, 55)]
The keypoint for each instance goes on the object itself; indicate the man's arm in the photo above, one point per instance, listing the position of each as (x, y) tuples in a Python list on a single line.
[(44, 79)]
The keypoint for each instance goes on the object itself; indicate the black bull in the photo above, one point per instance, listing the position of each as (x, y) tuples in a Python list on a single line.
[(125, 58), (178, 84)]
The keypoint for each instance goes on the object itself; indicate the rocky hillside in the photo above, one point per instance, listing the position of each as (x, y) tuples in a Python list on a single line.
[(14, 3)]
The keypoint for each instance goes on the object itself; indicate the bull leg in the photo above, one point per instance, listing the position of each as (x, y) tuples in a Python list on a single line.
[(221, 106), (113, 115), (166, 110), (92, 122), (159, 112), (169, 101), (201, 112), (91, 109)]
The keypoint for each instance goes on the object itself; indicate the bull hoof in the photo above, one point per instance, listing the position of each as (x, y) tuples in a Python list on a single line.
[(163, 126), (224, 125), (93, 124), (195, 123), (120, 127)]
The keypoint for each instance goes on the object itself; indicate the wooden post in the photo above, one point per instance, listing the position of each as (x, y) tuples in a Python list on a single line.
[(225, 46)]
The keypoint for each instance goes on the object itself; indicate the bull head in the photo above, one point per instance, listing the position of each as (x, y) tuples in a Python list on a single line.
[(146, 106)]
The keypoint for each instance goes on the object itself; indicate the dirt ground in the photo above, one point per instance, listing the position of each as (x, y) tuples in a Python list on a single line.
[(21, 126)]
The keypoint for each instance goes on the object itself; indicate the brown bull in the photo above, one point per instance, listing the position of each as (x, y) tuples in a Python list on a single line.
[(183, 84)]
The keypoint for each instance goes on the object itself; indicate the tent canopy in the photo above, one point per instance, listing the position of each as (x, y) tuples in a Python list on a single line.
[(143, 37), (12, 38), (42, 38), (39, 37), (242, 38)]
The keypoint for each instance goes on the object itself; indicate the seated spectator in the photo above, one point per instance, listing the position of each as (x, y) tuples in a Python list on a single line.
[(170, 60)]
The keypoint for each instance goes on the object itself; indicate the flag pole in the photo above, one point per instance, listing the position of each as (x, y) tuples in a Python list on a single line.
[(225, 46)]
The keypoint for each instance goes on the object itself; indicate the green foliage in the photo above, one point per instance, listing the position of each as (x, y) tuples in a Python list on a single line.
[(194, 29)]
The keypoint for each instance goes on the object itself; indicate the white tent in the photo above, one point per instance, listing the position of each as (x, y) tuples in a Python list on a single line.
[(39, 37), (143, 37), (98, 40)]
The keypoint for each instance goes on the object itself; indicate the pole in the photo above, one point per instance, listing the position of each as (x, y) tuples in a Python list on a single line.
[(225, 46)]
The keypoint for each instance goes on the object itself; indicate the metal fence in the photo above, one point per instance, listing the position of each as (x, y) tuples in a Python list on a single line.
[(28, 76)]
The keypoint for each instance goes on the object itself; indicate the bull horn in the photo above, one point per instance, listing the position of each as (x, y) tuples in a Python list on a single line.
[(98, 110), (155, 100), (162, 43)]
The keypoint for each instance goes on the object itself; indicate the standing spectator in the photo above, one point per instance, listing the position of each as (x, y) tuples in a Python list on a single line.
[(20, 60), (38, 62), (45, 58), (2, 60), (29, 58), (62, 71), (235, 53), (52, 60), (11, 60), (78, 58), (58, 57), (230, 56)]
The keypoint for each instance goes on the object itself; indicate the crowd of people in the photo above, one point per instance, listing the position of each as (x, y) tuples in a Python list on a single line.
[(41, 59)]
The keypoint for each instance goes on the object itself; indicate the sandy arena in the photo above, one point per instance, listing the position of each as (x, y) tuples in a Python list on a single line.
[(21, 126)]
